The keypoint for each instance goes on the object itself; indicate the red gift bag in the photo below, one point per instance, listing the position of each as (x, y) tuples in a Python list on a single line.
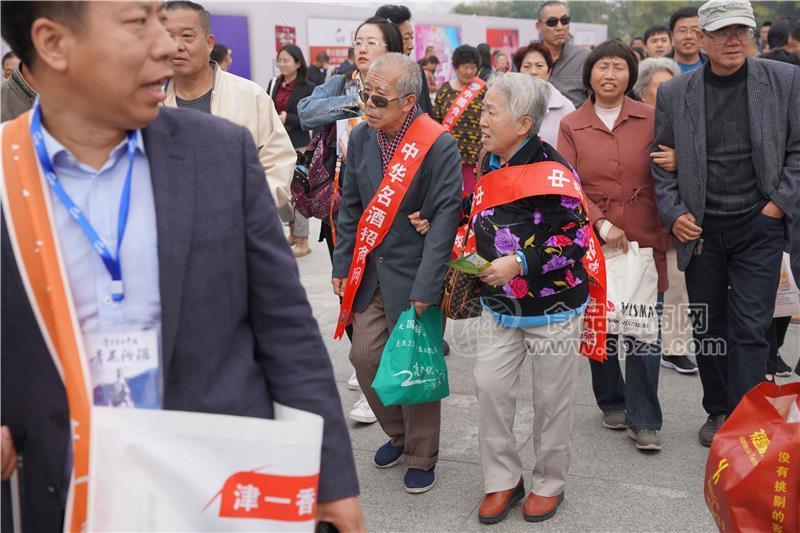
[(752, 478)]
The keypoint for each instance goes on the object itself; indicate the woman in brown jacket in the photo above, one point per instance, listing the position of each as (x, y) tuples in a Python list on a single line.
[(607, 141)]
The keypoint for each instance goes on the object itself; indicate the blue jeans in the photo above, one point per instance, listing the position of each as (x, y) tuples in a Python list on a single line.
[(638, 397)]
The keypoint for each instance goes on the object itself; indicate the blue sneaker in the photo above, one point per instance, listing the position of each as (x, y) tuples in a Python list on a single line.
[(418, 481), (387, 455)]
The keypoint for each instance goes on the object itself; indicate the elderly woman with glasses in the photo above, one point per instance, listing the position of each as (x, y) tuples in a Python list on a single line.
[(533, 295), (608, 142), (458, 107)]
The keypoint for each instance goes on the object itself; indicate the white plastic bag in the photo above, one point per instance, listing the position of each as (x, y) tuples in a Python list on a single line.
[(787, 301), (632, 292), (154, 470)]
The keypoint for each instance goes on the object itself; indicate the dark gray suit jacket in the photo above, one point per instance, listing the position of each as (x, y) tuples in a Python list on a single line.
[(773, 92), (406, 265), (237, 329)]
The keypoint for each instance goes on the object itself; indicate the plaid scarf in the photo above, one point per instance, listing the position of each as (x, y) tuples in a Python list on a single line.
[(387, 146)]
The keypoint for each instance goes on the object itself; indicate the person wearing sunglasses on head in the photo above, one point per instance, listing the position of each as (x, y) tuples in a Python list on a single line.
[(568, 59), (400, 163)]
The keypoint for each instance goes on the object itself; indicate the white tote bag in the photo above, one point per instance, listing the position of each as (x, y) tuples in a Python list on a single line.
[(154, 470), (632, 292), (787, 301)]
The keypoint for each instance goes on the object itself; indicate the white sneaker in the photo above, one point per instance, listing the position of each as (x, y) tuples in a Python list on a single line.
[(362, 412), (352, 383)]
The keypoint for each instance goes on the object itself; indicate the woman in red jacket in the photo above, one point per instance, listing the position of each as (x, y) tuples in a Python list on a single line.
[(607, 140)]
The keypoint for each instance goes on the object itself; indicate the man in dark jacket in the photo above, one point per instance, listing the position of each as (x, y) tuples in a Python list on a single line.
[(728, 204), (203, 264)]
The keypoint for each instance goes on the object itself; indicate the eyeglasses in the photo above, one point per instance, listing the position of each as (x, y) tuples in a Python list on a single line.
[(722, 36), (370, 44), (682, 32), (553, 22), (378, 100)]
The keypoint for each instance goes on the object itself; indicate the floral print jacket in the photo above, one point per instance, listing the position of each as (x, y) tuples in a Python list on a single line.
[(551, 231)]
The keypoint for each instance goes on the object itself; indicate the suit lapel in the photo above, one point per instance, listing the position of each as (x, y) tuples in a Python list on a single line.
[(696, 102), (172, 171), (756, 100)]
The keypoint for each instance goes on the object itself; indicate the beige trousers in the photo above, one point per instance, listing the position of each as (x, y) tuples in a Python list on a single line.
[(555, 351), (415, 427)]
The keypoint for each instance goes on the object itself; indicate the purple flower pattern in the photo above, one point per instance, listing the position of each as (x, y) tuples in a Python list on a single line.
[(505, 242)]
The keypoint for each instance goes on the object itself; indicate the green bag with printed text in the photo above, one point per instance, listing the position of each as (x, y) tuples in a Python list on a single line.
[(412, 368)]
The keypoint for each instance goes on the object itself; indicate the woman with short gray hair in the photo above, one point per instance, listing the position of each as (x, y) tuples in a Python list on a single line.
[(654, 71), (533, 295)]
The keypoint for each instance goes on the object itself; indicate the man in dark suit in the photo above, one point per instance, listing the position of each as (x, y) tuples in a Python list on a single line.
[(405, 268), (735, 127), (204, 259)]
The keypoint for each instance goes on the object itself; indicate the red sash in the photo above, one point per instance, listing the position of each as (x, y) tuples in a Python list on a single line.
[(34, 241), (377, 218), (462, 102), (508, 184)]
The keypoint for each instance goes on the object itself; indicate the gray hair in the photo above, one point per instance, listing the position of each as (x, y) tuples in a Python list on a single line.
[(647, 69), (527, 96), (410, 80)]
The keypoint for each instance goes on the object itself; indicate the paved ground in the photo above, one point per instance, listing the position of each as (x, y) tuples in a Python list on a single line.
[(611, 486)]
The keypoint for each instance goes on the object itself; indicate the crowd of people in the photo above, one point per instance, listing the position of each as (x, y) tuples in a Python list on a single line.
[(685, 141)]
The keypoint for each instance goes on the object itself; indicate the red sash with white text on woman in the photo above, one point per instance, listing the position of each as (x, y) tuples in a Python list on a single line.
[(462, 102), (508, 184), (27, 214), (377, 218)]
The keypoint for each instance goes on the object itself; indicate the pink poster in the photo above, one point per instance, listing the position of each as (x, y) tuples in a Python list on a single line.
[(507, 41), (444, 40)]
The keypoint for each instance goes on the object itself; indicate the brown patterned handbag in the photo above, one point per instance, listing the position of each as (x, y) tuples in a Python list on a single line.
[(461, 296)]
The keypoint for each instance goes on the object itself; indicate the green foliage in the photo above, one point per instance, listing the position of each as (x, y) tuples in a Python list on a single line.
[(625, 18)]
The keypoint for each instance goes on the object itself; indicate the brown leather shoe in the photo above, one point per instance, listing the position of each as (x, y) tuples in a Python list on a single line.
[(540, 508), (495, 506)]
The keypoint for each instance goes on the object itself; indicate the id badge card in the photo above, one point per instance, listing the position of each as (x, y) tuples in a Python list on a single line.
[(125, 368)]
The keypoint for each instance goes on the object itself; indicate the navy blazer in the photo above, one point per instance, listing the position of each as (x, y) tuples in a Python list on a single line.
[(237, 328)]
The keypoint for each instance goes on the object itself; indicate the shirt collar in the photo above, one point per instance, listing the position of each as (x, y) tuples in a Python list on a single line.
[(494, 159), (60, 155)]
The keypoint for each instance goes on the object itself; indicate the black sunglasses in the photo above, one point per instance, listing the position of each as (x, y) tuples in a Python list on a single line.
[(378, 100), (553, 22)]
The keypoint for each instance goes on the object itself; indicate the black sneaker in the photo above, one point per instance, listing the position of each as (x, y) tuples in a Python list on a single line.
[(782, 369), (680, 363), (709, 429)]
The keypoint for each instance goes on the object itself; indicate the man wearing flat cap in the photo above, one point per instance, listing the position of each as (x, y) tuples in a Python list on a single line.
[(735, 126)]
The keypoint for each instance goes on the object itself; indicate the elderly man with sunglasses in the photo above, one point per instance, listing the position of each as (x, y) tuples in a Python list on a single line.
[(735, 126), (568, 59), (399, 163)]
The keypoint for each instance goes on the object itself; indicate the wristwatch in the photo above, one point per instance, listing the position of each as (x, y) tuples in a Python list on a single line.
[(519, 262)]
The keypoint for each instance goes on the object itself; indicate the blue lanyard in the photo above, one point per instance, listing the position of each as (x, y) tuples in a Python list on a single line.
[(111, 263)]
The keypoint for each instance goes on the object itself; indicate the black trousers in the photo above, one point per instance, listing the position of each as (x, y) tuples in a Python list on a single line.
[(732, 286)]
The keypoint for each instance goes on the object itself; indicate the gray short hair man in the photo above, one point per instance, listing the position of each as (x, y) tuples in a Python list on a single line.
[(553, 27), (527, 97), (406, 268), (736, 124), (408, 81)]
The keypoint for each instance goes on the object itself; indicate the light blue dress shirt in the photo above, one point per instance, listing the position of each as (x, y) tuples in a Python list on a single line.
[(97, 194)]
